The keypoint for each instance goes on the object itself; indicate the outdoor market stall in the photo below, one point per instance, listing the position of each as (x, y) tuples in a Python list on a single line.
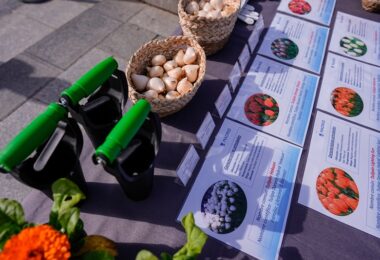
[(152, 223)]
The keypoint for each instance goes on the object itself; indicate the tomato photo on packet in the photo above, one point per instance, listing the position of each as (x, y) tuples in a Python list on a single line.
[(261, 109), (299, 7), (346, 101), (337, 191)]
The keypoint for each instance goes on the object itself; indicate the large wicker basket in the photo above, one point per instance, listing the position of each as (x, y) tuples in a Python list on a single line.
[(168, 47), (211, 33), (371, 5)]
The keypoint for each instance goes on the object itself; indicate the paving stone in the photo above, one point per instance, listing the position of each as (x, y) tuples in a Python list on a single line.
[(4, 10), (169, 5), (54, 13), (52, 91), (22, 77), (17, 33), (11, 3), (69, 42), (126, 40), (6, 6), (157, 21), (119, 10), (122, 63), (16, 121), (81, 66)]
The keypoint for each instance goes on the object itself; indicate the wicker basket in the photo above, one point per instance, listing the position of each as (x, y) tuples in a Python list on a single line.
[(168, 47), (211, 33), (371, 5)]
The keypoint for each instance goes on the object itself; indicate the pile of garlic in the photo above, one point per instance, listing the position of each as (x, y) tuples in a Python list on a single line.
[(168, 79), (209, 8)]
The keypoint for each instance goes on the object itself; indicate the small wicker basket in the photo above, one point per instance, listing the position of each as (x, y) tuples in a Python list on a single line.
[(168, 47), (371, 5), (211, 33)]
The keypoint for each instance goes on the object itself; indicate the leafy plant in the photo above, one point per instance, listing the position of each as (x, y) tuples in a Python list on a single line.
[(196, 239), (64, 217), (12, 219)]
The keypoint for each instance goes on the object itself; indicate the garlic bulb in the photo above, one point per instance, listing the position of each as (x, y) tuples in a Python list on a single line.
[(207, 7), (169, 65), (192, 8), (150, 94), (191, 72), (156, 84), (178, 58), (217, 4), (158, 60), (202, 4), (175, 73), (155, 71), (227, 10), (190, 56), (170, 83), (172, 95), (184, 86), (214, 14), (161, 96), (139, 81), (202, 13)]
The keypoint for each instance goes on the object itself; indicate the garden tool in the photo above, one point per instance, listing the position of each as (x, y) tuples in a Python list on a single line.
[(129, 150)]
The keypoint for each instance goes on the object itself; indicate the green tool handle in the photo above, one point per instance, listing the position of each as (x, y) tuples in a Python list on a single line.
[(123, 132), (90, 81), (31, 137)]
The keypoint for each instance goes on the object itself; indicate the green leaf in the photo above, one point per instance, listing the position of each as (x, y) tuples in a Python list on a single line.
[(6, 231), (72, 225), (66, 194), (196, 239), (146, 255), (98, 255), (11, 211), (165, 256), (68, 220), (11, 219), (97, 243), (64, 216)]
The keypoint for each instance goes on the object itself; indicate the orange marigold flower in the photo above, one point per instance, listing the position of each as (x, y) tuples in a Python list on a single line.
[(37, 243)]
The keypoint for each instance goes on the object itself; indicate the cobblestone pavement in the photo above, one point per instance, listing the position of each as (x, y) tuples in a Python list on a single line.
[(45, 47)]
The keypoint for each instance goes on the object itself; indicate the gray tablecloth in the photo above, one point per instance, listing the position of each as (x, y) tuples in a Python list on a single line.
[(151, 224)]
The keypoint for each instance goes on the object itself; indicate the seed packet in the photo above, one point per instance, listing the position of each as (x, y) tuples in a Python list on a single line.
[(313, 10), (341, 178), (295, 42), (243, 191), (351, 90), (356, 38), (276, 99)]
